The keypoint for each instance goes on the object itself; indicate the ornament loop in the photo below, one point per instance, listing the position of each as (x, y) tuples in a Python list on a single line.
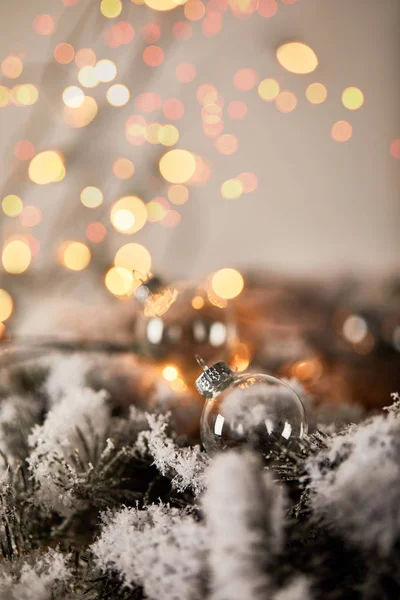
[(214, 379)]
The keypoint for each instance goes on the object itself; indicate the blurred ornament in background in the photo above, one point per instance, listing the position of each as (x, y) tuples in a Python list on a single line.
[(177, 321), (250, 409)]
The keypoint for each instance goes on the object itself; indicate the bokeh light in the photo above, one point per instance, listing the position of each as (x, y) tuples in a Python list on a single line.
[(25, 95), (151, 33), (87, 77), (237, 109), (194, 10), (75, 256), (24, 150), (134, 257), (31, 216), (83, 115), (123, 168), (156, 209), (73, 96), (96, 232), (168, 135), (198, 302), (105, 70), (268, 89), (182, 30), (316, 93), (119, 281), (91, 197), (44, 25), (245, 79), (227, 283), (170, 373), (5, 96), (395, 149), (286, 101), (297, 57), (129, 214), (163, 5), (227, 144), (12, 67), (153, 56), (12, 205), (118, 95), (171, 219), (249, 182), (231, 189), (64, 53), (352, 98), (6, 305), (341, 131), (173, 109), (47, 167), (177, 166), (178, 194), (16, 257), (85, 57), (267, 8), (185, 72), (111, 8)]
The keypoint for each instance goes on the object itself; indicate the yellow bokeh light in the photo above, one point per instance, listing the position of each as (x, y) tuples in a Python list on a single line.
[(352, 98), (129, 214), (75, 256), (111, 8), (168, 135), (170, 373), (297, 57), (227, 283), (197, 302), (118, 95), (12, 67), (46, 167), (6, 305), (83, 115), (16, 257), (12, 205), (268, 89), (155, 211), (87, 76), (26, 94), (164, 5), (73, 96), (106, 70), (316, 93), (134, 257), (91, 197), (5, 96), (119, 281), (177, 166), (231, 189)]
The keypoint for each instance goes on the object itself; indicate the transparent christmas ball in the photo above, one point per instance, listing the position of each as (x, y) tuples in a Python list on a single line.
[(179, 320), (250, 409)]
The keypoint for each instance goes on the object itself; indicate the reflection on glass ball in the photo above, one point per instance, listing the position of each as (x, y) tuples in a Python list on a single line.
[(179, 321), (255, 410)]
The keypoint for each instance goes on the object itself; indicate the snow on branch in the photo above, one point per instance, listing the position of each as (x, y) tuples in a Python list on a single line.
[(244, 511)]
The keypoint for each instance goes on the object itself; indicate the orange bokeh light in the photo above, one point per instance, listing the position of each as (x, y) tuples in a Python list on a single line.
[(123, 168), (316, 93), (86, 57), (171, 218), (64, 53), (237, 109), (395, 149), (267, 8), (151, 33), (96, 232), (286, 101), (30, 216), (194, 10), (12, 67), (245, 79), (173, 109), (185, 72), (44, 25), (341, 131), (153, 56), (148, 102), (227, 144), (249, 182), (24, 150)]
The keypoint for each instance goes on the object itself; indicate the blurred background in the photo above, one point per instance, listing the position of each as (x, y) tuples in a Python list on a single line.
[(184, 138)]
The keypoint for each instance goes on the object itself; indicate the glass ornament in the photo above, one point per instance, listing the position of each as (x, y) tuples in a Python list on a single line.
[(179, 320), (250, 409)]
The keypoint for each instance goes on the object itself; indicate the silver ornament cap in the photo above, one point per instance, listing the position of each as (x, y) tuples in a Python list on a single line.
[(214, 379)]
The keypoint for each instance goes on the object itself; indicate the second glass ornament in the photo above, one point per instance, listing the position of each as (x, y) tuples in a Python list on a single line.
[(251, 409)]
